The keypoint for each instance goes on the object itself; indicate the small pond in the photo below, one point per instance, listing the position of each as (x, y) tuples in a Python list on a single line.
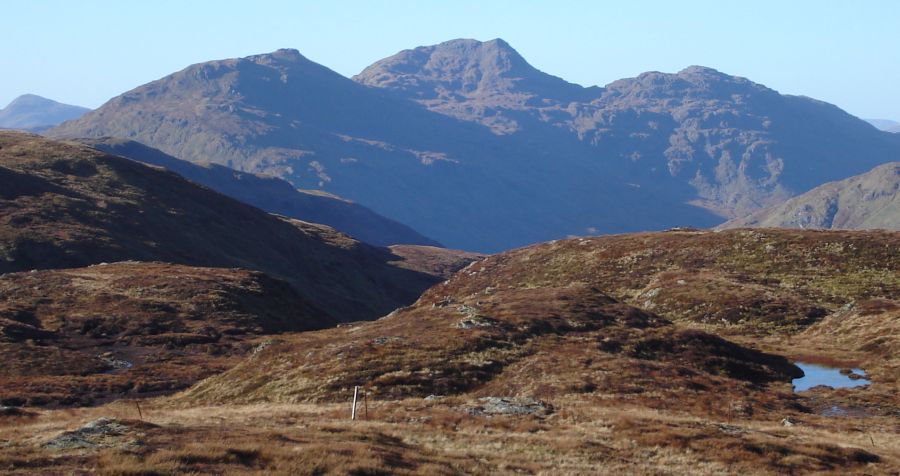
[(815, 375)]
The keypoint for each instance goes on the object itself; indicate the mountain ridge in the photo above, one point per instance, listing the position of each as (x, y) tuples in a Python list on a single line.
[(723, 140), (122, 278), (375, 149)]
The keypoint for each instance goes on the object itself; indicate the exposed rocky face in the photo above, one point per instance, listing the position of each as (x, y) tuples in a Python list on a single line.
[(870, 200)]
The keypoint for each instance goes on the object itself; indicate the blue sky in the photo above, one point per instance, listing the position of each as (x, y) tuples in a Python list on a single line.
[(85, 52)]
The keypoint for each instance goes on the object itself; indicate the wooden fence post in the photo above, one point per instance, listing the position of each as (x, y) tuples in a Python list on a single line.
[(355, 395)]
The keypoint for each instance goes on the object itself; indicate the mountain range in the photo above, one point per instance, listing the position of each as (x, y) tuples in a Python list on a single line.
[(738, 144), (34, 113), (466, 135)]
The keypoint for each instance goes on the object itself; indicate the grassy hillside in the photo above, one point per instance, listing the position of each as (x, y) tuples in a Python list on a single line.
[(85, 335)]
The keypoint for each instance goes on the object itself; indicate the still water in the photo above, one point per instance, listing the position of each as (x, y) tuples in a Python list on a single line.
[(820, 375)]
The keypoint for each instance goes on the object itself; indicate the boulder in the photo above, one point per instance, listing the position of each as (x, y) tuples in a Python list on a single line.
[(510, 406)]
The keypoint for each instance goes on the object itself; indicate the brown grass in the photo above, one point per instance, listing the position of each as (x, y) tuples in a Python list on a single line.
[(63, 332), (762, 280), (584, 436), (424, 350)]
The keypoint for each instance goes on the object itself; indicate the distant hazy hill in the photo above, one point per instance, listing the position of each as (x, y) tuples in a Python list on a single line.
[(870, 200), (468, 144), (885, 124), (274, 195), (31, 112)]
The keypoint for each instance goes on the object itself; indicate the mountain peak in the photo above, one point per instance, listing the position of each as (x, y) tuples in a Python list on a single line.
[(497, 46), (697, 70), (499, 42), (706, 74), (29, 98), (489, 58), (693, 81), (282, 55), (287, 54), (887, 125), (465, 69)]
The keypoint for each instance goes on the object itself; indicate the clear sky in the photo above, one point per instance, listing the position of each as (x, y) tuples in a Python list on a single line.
[(85, 52)]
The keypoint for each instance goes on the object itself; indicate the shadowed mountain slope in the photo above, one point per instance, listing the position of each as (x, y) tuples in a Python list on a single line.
[(870, 200), (66, 205), (274, 195)]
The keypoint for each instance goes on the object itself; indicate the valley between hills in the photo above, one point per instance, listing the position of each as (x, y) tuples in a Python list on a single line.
[(511, 273)]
